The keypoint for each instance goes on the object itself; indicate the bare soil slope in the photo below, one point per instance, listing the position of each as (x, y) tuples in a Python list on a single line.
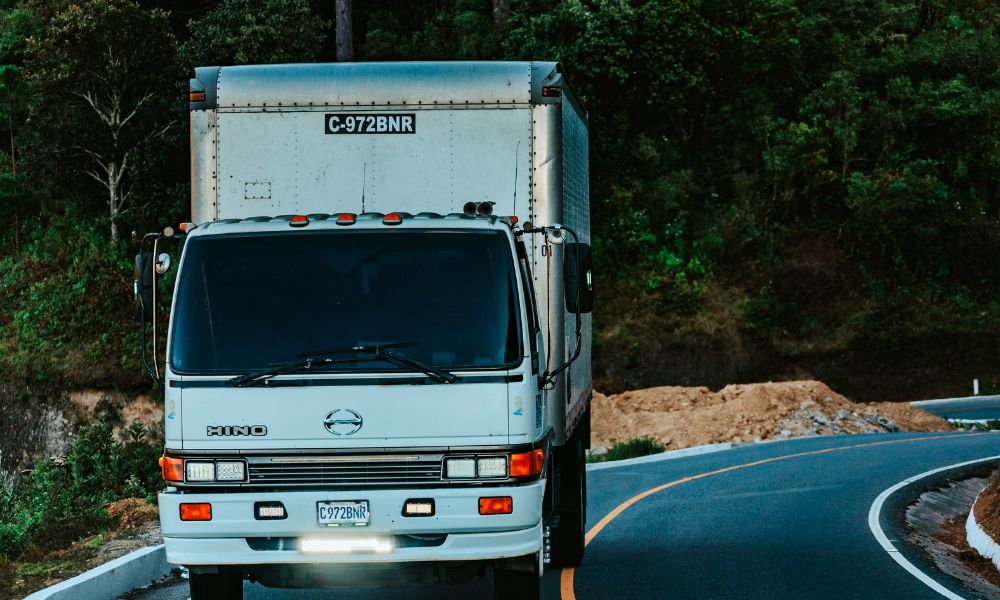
[(987, 508), (679, 417)]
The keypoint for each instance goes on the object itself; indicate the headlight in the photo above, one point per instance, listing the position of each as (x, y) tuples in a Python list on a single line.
[(493, 467), (460, 468), (487, 467), (230, 471), (200, 471)]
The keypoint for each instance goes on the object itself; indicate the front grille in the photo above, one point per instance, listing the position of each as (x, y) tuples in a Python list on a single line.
[(348, 472)]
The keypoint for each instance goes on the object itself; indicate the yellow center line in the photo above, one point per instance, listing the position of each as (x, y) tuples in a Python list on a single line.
[(566, 589)]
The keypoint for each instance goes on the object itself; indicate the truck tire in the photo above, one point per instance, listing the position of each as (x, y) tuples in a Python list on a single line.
[(509, 584), (227, 584), (568, 537)]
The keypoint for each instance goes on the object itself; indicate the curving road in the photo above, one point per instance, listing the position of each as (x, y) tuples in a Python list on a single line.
[(776, 520)]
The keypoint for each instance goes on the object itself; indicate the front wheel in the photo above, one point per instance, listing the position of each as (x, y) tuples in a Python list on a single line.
[(227, 584), (510, 584)]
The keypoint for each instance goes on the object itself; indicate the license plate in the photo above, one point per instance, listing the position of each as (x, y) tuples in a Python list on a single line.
[(340, 513)]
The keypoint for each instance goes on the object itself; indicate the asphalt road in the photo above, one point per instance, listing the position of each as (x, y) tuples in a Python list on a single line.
[(977, 408), (776, 520)]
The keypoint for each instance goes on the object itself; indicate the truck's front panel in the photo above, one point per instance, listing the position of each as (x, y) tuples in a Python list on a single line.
[(345, 431)]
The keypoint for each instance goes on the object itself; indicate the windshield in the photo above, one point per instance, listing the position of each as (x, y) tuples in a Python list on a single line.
[(247, 301)]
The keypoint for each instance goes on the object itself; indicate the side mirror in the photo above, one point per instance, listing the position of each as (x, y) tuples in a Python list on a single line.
[(579, 279), (143, 287)]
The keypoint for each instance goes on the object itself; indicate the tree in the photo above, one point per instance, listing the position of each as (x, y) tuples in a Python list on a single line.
[(104, 75), (242, 32), (345, 38)]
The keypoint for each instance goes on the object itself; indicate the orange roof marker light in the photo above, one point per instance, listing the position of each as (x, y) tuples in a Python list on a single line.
[(347, 219), (186, 227), (298, 221), (392, 219)]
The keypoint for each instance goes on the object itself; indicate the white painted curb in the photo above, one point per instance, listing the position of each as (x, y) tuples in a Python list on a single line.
[(111, 580), (669, 455), (979, 540), (873, 523)]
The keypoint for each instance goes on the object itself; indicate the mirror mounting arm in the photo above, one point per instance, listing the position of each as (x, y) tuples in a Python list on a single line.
[(548, 378), (147, 266)]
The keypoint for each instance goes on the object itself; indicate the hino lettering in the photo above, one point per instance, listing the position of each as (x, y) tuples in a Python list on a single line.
[(369, 123), (411, 315), (234, 430)]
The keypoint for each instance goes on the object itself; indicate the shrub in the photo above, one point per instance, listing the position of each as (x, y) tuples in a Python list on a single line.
[(63, 499), (633, 448)]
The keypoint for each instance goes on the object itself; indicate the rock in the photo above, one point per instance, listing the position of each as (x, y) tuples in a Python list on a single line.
[(819, 419), (786, 432), (841, 415)]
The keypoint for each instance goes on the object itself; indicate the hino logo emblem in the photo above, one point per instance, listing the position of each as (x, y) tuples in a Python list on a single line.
[(343, 421), (237, 430)]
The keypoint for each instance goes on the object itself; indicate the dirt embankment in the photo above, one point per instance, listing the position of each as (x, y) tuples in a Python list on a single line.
[(680, 417), (987, 508)]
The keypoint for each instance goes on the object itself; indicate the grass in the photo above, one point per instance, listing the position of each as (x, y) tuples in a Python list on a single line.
[(633, 448)]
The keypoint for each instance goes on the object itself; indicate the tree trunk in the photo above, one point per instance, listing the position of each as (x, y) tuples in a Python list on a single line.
[(345, 39), (113, 201), (501, 12)]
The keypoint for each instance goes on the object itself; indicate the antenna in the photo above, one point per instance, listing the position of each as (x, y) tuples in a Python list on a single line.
[(364, 181)]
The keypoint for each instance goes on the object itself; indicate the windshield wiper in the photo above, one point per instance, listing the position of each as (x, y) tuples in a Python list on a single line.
[(381, 351), (378, 351), (283, 369)]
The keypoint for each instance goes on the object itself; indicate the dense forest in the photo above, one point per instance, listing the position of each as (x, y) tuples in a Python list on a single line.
[(780, 188)]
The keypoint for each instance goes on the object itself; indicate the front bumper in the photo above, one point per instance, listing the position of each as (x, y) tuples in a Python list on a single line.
[(469, 535)]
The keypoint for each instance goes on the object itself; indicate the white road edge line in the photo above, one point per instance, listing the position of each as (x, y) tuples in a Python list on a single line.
[(883, 540)]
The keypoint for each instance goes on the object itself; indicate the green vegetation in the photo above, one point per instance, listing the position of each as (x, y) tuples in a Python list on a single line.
[(633, 448), (777, 185), (63, 499)]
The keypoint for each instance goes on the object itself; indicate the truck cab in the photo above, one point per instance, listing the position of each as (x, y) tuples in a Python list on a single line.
[(377, 363)]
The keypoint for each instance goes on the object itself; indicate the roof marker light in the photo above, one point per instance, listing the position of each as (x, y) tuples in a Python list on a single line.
[(196, 96), (392, 219), (551, 92), (298, 221), (347, 219), (186, 227)]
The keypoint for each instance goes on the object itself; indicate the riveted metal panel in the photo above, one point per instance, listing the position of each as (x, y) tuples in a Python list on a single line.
[(576, 216), (203, 174), (285, 163), (375, 84), (547, 209)]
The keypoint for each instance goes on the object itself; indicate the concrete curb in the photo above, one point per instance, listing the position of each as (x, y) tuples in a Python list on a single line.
[(979, 540), (670, 455), (890, 506), (111, 580)]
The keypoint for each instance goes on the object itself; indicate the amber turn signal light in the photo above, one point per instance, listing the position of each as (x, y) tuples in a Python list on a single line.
[(172, 468), (527, 464), (196, 512), (503, 505)]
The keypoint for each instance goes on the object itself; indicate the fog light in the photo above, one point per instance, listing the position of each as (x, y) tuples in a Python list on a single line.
[(345, 545), (492, 467), (504, 505), (460, 468), (230, 471), (200, 471), (423, 507), (269, 511), (196, 512)]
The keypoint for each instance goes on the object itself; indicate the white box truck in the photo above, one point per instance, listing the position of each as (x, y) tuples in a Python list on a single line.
[(378, 357)]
